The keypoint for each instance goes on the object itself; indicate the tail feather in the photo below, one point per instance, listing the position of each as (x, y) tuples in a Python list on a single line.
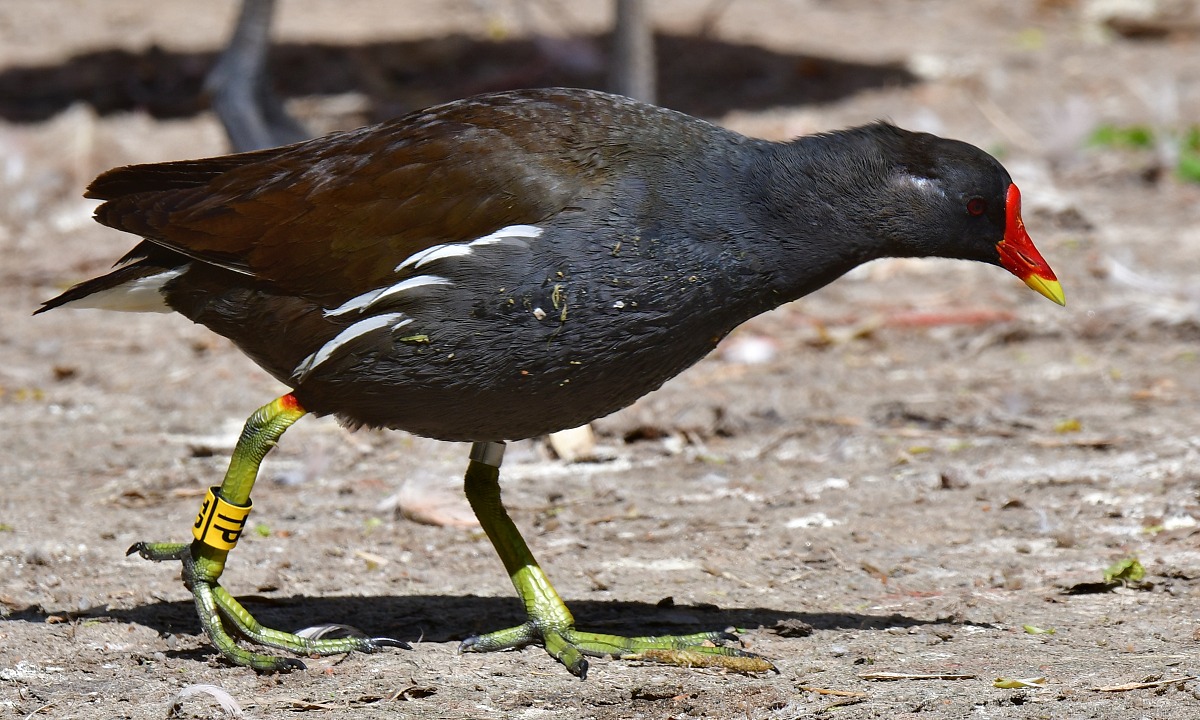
[(134, 288), (138, 200), (165, 176)]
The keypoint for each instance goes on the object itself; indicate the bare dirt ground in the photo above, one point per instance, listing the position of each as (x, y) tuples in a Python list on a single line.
[(923, 463)]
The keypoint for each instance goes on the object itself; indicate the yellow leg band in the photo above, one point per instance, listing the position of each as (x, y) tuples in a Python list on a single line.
[(219, 524)]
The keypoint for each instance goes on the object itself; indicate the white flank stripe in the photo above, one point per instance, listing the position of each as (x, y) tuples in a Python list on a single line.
[(369, 298), (506, 233), (441, 252), (449, 250), (140, 295), (417, 257), (358, 329), (358, 302), (410, 284)]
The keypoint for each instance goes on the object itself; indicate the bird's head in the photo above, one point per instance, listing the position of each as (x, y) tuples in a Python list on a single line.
[(954, 200)]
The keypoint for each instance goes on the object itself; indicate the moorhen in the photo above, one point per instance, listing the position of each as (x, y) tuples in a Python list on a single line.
[(507, 266)]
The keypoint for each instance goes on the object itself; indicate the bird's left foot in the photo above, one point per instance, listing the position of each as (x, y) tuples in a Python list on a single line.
[(550, 623), (569, 646)]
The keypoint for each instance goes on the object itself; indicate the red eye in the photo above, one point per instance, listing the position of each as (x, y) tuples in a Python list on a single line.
[(977, 206)]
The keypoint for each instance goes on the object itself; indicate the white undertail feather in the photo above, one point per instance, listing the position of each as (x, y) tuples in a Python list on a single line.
[(141, 295), (358, 329)]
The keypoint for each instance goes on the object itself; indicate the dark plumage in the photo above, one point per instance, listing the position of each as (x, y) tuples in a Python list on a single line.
[(514, 264), (659, 233)]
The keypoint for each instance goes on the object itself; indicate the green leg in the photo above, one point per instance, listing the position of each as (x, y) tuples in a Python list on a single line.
[(217, 529), (550, 623)]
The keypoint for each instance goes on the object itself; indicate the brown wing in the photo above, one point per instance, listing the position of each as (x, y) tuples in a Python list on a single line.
[(332, 217)]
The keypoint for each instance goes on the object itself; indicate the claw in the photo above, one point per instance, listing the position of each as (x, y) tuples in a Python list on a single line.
[(481, 643), (723, 636), (158, 552), (379, 643), (478, 643)]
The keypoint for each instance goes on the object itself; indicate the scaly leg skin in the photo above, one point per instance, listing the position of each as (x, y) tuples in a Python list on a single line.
[(550, 623), (217, 529)]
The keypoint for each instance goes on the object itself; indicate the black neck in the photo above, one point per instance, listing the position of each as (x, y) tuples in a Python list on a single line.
[(790, 183)]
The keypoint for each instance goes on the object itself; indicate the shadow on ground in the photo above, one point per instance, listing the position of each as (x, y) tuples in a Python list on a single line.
[(697, 75), (445, 618)]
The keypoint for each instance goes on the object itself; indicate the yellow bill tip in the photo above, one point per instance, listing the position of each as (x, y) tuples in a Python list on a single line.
[(1051, 289)]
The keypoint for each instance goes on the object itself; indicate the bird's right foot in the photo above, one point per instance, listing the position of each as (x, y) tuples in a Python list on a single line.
[(223, 618)]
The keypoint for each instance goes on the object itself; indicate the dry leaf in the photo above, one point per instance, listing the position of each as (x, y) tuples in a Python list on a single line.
[(916, 676), (1143, 685), (574, 444)]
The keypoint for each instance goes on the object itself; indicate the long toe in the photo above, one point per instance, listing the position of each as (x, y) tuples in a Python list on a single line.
[(696, 650), (569, 646)]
